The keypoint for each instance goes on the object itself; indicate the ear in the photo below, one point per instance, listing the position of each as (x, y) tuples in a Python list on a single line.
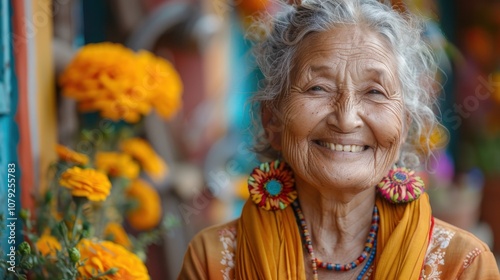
[(272, 127)]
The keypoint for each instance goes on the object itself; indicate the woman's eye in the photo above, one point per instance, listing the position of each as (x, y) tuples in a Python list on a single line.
[(374, 91), (316, 88)]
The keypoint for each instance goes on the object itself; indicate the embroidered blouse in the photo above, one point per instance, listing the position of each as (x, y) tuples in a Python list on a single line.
[(452, 254)]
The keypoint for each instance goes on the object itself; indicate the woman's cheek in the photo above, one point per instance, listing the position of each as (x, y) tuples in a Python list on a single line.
[(386, 122)]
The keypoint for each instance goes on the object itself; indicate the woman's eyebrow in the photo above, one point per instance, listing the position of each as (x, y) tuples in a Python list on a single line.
[(376, 71), (320, 68)]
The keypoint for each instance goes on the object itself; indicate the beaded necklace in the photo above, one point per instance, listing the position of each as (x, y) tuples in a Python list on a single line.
[(371, 243)]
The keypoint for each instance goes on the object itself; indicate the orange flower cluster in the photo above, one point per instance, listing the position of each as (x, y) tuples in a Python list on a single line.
[(88, 183), (105, 255), (68, 155), (121, 84), (141, 151), (163, 83), (48, 245), (117, 164), (114, 232), (147, 214)]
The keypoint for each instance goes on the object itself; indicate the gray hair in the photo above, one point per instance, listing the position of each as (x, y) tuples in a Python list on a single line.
[(416, 66)]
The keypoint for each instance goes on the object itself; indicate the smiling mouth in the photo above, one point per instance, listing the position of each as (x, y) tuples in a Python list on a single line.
[(342, 148)]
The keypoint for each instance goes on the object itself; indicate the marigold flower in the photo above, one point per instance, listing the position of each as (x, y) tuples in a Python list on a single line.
[(105, 255), (68, 155), (121, 85), (48, 245), (104, 77), (117, 164), (89, 183), (114, 232), (147, 214), (140, 150), (118, 107), (163, 82)]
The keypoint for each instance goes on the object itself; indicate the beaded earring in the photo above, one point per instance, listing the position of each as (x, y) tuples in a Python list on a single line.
[(401, 185), (272, 186)]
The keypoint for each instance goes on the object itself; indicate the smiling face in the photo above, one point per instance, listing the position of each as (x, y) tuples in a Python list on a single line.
[(341, 125)]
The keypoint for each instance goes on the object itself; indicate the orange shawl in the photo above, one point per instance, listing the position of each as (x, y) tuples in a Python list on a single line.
[(270, 245)]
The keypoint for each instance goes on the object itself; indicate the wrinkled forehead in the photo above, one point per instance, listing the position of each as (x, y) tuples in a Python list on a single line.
[(346, 46)]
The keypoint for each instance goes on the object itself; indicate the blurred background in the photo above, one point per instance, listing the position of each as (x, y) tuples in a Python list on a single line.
[(207, 144)]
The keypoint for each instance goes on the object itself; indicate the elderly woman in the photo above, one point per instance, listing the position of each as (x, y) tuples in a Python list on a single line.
[(347, 89)]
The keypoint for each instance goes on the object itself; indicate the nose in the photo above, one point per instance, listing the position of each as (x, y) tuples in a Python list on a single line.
[(345, 115)]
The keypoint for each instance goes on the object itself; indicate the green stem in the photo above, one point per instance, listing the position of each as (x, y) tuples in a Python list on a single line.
[(79, 201)]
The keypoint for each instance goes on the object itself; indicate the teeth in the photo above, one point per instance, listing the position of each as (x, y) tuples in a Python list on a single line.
[(342, 148)]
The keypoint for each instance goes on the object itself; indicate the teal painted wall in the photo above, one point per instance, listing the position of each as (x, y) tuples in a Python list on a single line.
[(9, 139)]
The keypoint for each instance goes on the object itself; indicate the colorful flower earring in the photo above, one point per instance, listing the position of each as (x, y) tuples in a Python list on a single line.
[(401, 186), (272, 186)]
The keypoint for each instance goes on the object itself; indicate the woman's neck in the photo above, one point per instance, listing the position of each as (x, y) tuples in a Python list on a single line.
[(338, 223)]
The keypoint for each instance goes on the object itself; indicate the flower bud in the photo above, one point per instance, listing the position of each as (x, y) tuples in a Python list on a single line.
[(74, 254), (113, 271), (25, 248)]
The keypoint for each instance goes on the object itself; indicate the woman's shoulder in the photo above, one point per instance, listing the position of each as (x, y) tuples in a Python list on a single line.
[(217, 233), (454, 253), (210, 254), (214, 239), (445, 235)]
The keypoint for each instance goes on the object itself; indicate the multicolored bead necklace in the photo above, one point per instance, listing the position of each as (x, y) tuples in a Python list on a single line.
[(370, 244)]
